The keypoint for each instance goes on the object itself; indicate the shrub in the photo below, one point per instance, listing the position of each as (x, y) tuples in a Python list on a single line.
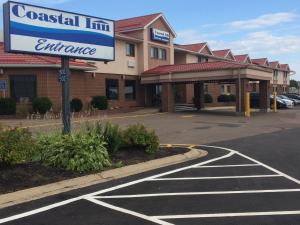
[(7, 106), (138, 136), (111, 133), (16, 146), (223, 98), (99, 102), (83, 151), (76, 105), (41, 105), (232, 98), (208, 98)]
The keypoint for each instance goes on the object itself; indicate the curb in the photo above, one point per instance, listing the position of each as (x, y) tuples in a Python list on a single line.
[(35, 193)]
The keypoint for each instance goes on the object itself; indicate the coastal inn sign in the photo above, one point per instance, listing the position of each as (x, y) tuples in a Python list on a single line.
[(38, 30), (160, 35)]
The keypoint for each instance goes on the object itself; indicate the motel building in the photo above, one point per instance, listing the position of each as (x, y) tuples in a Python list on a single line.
[(149, 71)]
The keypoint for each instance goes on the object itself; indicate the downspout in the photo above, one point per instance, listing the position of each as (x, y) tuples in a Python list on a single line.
[(240, 91)]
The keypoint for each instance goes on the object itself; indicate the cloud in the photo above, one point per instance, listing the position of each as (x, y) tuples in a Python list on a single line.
[(266, 20), (264, 42)]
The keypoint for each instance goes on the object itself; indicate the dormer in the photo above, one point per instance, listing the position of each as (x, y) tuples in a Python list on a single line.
[(243, 58), (224, 54), (261, 62)]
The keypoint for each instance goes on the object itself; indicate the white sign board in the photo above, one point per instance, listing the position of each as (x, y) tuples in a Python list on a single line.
[(38, 30), (160, 35)]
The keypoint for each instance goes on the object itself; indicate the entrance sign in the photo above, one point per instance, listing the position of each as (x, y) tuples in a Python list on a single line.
[(38, 30), (160, 35)]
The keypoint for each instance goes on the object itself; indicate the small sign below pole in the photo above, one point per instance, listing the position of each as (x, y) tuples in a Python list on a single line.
[(64, 78), (3, 87)]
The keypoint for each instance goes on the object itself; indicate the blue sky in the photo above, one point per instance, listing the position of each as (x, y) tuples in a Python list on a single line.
[(262, 28)]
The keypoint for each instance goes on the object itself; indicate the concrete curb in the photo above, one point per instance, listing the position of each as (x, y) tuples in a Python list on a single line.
[(30, 194)]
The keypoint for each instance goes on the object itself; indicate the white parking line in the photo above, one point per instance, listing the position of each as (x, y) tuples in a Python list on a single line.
[(65, 202), (197, 193), (211, 178), (93, 198), (215, 215), (126, 211), (238, 165)]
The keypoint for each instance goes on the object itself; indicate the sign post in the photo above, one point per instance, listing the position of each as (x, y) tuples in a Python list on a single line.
[(38, 30), (64, 77)]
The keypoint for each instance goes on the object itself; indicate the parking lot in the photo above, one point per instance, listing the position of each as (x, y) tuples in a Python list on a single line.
[(227, 187)]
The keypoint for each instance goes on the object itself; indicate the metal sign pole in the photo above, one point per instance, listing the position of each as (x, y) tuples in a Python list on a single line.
[(65, 86)]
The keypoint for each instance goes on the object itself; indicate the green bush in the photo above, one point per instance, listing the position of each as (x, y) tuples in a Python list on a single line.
[(7, 106), (226, 98), (138, 136), (76, 105), (83, 151), (41, 105), (16, 146), (232, 98), (111, 133), (208, 98), (99, 102)]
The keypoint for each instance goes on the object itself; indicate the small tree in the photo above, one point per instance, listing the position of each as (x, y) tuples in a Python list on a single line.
[(41, 105), (294, 83)]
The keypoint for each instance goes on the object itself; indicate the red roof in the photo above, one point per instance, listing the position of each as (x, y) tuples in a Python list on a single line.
[(241, 58), (135, 22), (285, 67), (221, 53), (274, 65), (261, 62), (27, 59), (194, 67), (192, 47)]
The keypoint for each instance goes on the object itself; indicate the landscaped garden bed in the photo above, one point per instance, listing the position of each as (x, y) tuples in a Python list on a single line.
[(27, 161)]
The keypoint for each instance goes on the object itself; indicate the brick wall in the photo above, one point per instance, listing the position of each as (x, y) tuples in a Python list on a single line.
[(82, 85)]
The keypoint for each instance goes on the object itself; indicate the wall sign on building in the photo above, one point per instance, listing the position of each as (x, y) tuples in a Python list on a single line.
[(39, 30), (160, 35)]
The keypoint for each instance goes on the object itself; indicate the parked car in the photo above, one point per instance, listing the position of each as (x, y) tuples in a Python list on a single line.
[(295, 98), (289, 103), (280, 103), (296, 101)]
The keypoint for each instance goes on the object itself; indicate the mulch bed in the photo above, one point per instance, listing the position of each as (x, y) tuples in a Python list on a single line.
[(34, 174)]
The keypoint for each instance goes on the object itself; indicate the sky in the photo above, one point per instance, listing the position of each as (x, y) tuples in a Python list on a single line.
[(260, 28)]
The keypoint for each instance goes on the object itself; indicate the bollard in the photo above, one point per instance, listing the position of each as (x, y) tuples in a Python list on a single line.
[(247, 111), (275, 102)]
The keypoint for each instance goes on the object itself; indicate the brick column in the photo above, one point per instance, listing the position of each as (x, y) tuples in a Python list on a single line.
[(199, 95), (167, 98), (264, 95), (244, 88)]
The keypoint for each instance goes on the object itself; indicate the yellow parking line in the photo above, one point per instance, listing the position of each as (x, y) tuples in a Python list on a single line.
[(189, 116), (96, 119)]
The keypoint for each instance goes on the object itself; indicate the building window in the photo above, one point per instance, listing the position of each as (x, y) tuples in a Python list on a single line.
[(228, 89), (275, 75), (130, 86), (162, 54), (253, 87), (130, 49), (202, 59), (222, 89), (23, 88), (206, 88), (112, 89), (154, 53)]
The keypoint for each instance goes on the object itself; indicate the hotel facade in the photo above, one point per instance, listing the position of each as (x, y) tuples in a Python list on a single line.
[(149, 70)]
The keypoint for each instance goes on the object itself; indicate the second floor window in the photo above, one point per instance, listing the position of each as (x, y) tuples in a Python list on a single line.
[(130, 49), (162, 54), (154, 53), (275, 75)]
